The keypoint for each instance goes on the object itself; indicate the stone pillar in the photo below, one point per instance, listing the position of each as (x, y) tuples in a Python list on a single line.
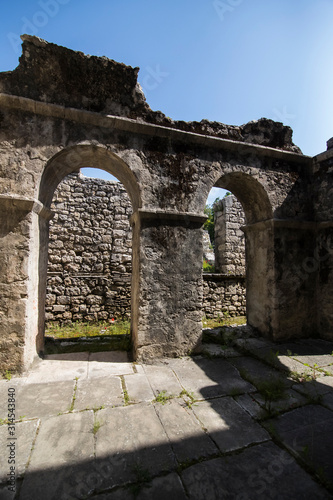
[(229, 238), (167, 284), (281, 282), (296, 274), (323, 260), (259, 276), (19, 280)]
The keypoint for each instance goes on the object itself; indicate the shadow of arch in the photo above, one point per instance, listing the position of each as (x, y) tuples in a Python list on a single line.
[(250, 193), (58, 167), (86, 155)]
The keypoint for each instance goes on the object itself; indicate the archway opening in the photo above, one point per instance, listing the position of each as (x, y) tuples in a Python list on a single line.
[(85, 265), (243, 255), (88, 299), (224, 261)]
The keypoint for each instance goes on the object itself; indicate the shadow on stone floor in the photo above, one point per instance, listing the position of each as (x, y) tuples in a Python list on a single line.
[(260, 471), (300, 418), (227, 444)]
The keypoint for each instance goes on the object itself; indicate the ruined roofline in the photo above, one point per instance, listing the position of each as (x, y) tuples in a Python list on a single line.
[(141, 127), (58, 75)]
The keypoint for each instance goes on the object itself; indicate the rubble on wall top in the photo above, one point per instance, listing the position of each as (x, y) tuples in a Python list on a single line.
[(58, 75)]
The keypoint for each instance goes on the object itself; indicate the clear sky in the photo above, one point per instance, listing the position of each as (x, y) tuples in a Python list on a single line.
[(227, 60)]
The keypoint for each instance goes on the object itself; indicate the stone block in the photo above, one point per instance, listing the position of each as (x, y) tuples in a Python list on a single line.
[(260, 472)]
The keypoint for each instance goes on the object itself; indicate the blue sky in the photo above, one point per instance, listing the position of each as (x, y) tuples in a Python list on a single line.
[(227, 60)]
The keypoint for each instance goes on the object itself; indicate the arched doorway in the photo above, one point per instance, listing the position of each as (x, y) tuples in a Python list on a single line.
[(259, 246), (224, 291), (64, 163), (88, 299)]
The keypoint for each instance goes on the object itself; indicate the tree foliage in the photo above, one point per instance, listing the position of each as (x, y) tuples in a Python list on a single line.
[(209, 224)]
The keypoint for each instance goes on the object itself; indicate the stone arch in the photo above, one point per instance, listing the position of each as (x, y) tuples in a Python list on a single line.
[(250, 193), (259, 245), (87, 155), (57, 168)]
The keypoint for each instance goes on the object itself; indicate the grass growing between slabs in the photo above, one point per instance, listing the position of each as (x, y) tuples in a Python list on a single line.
[(80, 329), (223, 321), (92, 337)]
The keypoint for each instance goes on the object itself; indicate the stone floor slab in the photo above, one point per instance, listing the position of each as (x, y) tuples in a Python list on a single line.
[(56, 371), (308, 432), (131, 443), (219, 351), (228, 424), (43, 400), (328, 369), (92, 393), (258, 473), (162, 378), (186, 435), (209, 378), (251, 406), (256, 371), (291, 399), (24, 435), (292, 366), (6, 494), (138, 444), (109, 357), (138, 388), (303, 347), (69, 356), (17, 384), (315, 360), (161, 488), (99, 368), (327, 400), (62, 458), (315, 388), (254, 343)]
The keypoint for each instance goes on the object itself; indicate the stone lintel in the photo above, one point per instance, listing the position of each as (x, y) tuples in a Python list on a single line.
[(283, 223), (144, 128), (25, 204), (223, 277), (168, 217)]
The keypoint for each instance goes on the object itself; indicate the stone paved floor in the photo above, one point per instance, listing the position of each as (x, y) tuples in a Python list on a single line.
[(246, 419)]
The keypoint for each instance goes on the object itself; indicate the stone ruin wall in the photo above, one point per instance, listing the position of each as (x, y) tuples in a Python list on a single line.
[(229, 217), (225, 291), (223, 296), (89, 271)]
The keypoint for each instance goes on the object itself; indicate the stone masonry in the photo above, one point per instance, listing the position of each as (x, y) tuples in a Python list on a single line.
[(89, 270), (223, 296), (61, 111), (229, 238)]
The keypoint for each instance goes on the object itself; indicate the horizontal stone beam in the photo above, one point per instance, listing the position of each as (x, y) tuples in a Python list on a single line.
[(25, 204), (288, 224), (143, 128), (168, 217)]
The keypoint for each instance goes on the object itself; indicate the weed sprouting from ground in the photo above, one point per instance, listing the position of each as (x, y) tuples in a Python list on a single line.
[(271, 389), (188, 397), (125, 391), (223, 321), (162, 397), (96, 427)]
